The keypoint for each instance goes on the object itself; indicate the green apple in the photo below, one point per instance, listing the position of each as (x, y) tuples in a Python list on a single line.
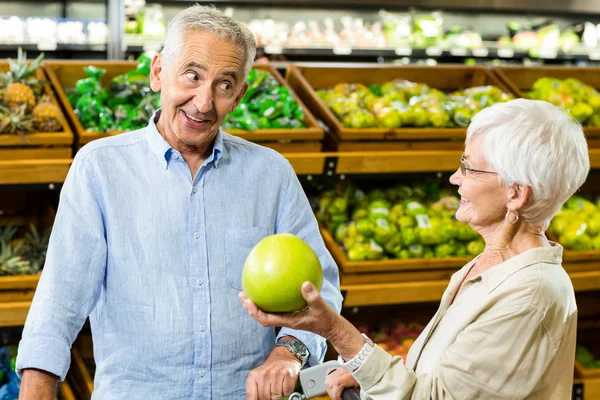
[(275, 270)]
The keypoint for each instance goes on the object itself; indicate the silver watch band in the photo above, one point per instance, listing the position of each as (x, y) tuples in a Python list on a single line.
[(358, 360)]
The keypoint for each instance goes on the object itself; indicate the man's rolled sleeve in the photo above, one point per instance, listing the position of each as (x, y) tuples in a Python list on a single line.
[(296, 216), (72, 277)]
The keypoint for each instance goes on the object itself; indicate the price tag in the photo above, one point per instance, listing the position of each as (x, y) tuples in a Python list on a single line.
[(273, 49), (458, 52), (480, 52), (433, 51), (506, 53), (594, 55), (47, 46), (152, 46), (403, 51), (548, 53), (342, 49), (423, 221)]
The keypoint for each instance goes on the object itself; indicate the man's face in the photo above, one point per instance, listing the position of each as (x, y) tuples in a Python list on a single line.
[(199, 88)]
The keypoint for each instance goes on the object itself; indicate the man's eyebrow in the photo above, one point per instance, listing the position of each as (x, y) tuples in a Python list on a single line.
[(232, 74), (195, 65)]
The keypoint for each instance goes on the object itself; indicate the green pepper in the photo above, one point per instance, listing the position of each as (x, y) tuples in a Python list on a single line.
[(248, 123), (94, 72), (87, 85), (106, 122), (256, 81), (267, 107), (264, 123)]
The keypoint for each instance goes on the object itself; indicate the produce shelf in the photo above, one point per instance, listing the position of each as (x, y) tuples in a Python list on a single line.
[(32, 171), (14, 313), (421, 291)]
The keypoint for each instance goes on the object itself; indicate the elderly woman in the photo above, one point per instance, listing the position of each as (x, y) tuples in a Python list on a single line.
[(506, 325)]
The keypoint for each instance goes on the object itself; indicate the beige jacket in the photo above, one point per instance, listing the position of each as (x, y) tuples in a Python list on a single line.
[(510, 334)]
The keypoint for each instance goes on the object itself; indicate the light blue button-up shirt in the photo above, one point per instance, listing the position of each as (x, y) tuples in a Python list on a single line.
[(154, 257)]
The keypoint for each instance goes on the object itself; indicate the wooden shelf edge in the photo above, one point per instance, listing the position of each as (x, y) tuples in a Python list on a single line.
[(34, 171), (19, 282), (14, 313), (307, 163)]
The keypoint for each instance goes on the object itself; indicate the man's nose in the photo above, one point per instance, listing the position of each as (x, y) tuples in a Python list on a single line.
[(203, 99)]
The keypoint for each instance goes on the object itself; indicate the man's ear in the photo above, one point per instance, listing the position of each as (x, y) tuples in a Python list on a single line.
[(518, 196), (155, 69), (240, 96)]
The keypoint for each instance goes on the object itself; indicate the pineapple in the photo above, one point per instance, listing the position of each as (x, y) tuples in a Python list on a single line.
[(11, 263), (35, 247), (46, 117), (15, 121), (19, 87), (17, 94)]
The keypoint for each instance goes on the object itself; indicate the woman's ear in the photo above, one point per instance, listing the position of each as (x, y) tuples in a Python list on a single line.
[(518, 196)]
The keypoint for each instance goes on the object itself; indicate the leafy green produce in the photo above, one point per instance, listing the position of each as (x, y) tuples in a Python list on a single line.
[(398, 222), (266, 105), (403, 103), (127, 104)]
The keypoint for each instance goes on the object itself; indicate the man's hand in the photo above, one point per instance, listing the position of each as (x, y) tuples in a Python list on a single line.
[(275, 378), (337, 381), (38, 385)]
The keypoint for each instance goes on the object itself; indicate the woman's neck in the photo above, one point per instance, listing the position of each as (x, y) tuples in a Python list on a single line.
[(507, 241)]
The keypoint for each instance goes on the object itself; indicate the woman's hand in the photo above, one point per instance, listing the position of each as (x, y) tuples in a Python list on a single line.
[(318, 317), (338, 381)]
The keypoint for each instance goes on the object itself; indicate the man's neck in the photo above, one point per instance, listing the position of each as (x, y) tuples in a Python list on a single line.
[(194, 156)]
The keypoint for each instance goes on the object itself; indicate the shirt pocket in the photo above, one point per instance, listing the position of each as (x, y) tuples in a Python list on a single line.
[(238, 244)]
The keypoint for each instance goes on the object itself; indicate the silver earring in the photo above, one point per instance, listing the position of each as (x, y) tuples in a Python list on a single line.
[(507, 217)]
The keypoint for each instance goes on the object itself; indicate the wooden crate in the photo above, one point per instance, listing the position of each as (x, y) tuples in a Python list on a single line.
[(589, 339), (305, 80), (520, 80), (38, 145), (79, 377), (419, 265), (64, 75)]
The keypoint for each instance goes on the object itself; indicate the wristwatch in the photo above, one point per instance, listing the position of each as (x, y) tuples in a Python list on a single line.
[(353, 364), (296, 347)]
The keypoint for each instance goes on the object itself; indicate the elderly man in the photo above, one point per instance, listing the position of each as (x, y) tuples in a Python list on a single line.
[(151, 235)]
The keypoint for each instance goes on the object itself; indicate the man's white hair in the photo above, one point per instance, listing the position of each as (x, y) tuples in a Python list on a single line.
[(209, 19), (536, 144)]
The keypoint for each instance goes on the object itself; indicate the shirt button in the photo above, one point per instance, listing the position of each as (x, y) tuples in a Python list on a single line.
[(194, 190), (202, 373), (196, 235), (176, 156), (199, 282), (202, 328)]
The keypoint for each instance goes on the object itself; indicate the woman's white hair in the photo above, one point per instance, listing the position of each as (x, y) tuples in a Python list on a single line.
[(536, 144), (209, 19)]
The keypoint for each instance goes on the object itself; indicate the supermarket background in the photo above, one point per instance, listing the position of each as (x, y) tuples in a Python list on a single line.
[(369, 101)]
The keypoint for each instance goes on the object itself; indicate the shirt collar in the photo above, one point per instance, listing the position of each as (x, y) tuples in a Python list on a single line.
[(162, 149), (495, 276)]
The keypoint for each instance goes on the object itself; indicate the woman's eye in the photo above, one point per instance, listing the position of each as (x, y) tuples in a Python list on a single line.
[(191, 76)]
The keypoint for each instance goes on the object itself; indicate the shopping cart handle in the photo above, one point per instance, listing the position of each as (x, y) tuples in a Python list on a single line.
[(351, 394)]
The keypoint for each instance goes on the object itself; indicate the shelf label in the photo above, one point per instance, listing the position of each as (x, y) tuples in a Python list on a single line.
[(506, 53), (403, 51), (433, 51), (458, 52), (423, 221), (47, 46), (273, 49), (342, 49), (480, 52), (594, 55), (152, 46), (548, 53)]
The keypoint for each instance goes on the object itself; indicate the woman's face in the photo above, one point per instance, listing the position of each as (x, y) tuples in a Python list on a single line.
[(483, 199)]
